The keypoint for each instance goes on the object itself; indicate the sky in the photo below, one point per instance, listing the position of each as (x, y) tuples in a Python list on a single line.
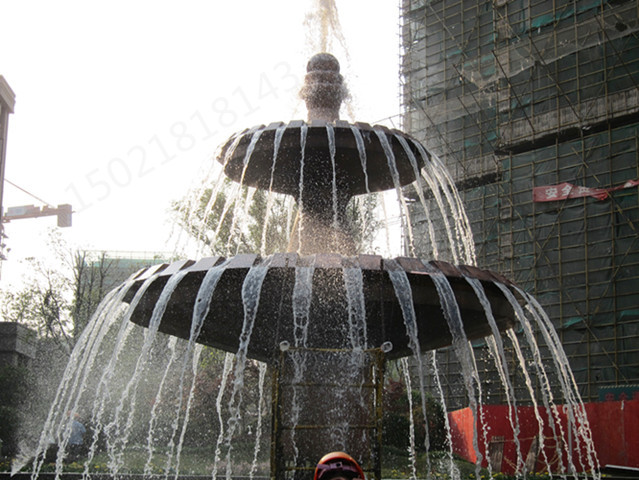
[(121, 105)]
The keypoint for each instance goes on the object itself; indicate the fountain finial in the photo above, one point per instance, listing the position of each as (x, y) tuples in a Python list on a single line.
[(323, 89)]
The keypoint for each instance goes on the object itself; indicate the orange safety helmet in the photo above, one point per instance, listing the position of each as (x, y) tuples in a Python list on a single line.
[(338, 464)]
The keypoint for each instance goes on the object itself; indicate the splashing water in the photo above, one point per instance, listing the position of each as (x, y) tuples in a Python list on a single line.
[(118, 429)]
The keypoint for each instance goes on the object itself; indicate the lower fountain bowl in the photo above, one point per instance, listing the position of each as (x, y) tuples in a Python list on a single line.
[(283, 302)]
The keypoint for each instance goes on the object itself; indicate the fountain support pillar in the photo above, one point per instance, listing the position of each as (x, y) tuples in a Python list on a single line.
[(321, 226), (326, 400)]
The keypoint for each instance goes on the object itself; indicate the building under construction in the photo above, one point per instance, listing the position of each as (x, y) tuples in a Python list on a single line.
[(533, 105)]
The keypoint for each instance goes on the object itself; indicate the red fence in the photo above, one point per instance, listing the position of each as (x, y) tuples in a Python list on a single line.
[(614, 426)]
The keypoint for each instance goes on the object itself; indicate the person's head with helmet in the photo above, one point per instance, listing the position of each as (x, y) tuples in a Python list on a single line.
[(338, 465)]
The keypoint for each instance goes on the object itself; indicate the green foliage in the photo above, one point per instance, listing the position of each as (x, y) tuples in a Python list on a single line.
[(62, 290), (236, 220), (396, 421), (245, 220), (44, 303), (362, 221), (204, 424), (59, 294)]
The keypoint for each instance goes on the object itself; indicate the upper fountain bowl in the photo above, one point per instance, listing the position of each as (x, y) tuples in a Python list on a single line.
[(299, 156), (324, 154)]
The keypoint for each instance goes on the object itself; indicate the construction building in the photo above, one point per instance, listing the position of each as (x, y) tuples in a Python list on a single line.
[(533, 105)]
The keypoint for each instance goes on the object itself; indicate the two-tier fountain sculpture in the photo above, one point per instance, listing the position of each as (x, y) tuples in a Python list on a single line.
[(324, 318)]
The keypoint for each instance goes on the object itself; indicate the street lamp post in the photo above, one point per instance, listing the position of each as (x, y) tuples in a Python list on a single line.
[(7, 102)]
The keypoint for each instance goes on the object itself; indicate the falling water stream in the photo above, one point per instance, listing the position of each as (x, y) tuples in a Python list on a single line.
[(496, 346), (412, 455), (392, 168), (302, 294), (361, 150), (269, 203), (251, 290), (463, 352), (402, 289), (303, 136), (330, 133)]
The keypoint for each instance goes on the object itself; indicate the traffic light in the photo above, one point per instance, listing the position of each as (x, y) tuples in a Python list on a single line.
[(64, 215)]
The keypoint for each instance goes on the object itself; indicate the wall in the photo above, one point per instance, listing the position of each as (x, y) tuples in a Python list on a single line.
[(614, 426)]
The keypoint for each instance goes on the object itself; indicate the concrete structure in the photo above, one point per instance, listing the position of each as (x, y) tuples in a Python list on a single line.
[(17, 344), (535, 96)]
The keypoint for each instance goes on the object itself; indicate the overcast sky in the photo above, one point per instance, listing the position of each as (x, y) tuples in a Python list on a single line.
[(120, 104)]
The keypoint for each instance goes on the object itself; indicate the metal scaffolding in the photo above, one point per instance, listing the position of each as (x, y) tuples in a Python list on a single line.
[(515, 95)]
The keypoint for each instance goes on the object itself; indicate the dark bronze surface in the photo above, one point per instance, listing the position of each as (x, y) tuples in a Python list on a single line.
[(328, 328)]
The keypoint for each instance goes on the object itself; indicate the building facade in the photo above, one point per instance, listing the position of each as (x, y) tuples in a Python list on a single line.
[(533, 105), (7, 104)]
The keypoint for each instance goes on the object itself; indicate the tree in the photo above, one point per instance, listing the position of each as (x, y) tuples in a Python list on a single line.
[(396, 419), (92, 280), (59, 295), (45, 301), (229, 219), (62, 290)]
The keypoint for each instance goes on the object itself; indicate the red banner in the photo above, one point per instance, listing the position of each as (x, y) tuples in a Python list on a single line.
[(563, 191)]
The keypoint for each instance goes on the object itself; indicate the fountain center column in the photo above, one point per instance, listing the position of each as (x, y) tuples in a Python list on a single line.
[(323, 90), (324, 201)]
